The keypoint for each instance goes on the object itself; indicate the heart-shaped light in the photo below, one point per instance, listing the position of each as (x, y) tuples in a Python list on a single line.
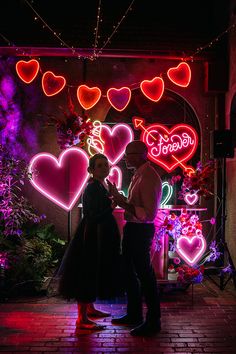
[(114, 141), (191, 198), (169, 148), (27, 70), (61, 180), (191, 249), (88, 96), (52, 84), (115, 176), (167, 191), (153, 89), (180, 75), (119, 98)]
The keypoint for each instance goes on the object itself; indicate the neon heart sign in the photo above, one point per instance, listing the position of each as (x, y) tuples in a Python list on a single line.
[(153, 89), (169, 148), (27, 70), (88, 96), (190, 198), (191, 248), (180, 75), (52, 84), (60, 180), (119, 98), (112, 141)]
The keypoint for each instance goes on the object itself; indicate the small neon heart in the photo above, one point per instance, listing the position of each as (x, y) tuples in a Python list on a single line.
[(191, 248), (115, 176), (88, 96), (190, 198), (180, 75), (153, 89), (52, 84), (27, 70), (119, 98)]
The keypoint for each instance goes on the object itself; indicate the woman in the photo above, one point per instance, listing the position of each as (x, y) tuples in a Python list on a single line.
[(90, 268)]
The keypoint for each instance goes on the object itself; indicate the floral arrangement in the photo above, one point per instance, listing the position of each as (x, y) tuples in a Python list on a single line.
[(186, 224), (200, 181), (74, 130)]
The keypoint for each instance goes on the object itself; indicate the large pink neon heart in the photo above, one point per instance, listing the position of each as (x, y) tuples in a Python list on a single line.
[(115, 140), (115, 176), (191, 199), (60, 180), (168, 148), (191, 248)]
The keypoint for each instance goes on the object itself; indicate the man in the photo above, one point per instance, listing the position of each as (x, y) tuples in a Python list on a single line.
[(140, 207)]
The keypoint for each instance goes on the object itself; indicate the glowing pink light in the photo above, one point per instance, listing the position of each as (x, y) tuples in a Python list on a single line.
[(191, 248), (115, 176), (115, 140), (61, 180), (190, 198)]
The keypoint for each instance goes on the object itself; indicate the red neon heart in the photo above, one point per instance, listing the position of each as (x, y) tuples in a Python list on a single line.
[(153, 89), (88, 96), (52, 84), (180, 75), (60, 180), (191, 199), (191, 248), (168, 148), (114, 141), (119, 98), (115, 176), (27, 70)]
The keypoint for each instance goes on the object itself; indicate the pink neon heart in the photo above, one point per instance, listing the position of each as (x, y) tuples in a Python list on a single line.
[(115, 176), (119, 98), (191, 248), (60, 180), (191, 199), (115, 140)]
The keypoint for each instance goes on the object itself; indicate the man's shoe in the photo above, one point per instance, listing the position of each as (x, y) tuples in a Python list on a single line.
[(127, 320), (98, 313), (146, 330)]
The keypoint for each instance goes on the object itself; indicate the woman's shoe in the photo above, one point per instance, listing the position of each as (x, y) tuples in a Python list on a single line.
[(90, 326)]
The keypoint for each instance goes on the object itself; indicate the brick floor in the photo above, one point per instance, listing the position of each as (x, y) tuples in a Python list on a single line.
[(198, 322)]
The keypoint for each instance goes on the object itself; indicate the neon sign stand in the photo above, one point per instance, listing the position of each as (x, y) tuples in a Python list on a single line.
[(168, 148)]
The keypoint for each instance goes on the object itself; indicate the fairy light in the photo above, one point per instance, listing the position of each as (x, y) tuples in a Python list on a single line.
[(116, 27), (96, 30)]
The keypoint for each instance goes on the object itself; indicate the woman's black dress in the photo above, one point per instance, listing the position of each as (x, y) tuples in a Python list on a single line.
[(91, 266)]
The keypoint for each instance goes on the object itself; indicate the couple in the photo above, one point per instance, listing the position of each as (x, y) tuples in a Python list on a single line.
[(91, 265)]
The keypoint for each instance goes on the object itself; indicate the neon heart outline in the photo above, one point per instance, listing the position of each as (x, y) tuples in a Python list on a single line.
[(169, 193), (59, 162), (118, 93), (32, 66), (146, 132), (190, 240), (182, 69), (156, 81), (189, 200), (84, 90), (111, 132), (49, 75)]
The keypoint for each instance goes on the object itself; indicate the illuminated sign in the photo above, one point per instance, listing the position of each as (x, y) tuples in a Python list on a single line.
[(52, 84), (27, 70), (88, 96), (191, 249)]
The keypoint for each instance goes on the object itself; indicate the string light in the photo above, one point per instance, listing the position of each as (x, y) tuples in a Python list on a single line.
[(96, 29)]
